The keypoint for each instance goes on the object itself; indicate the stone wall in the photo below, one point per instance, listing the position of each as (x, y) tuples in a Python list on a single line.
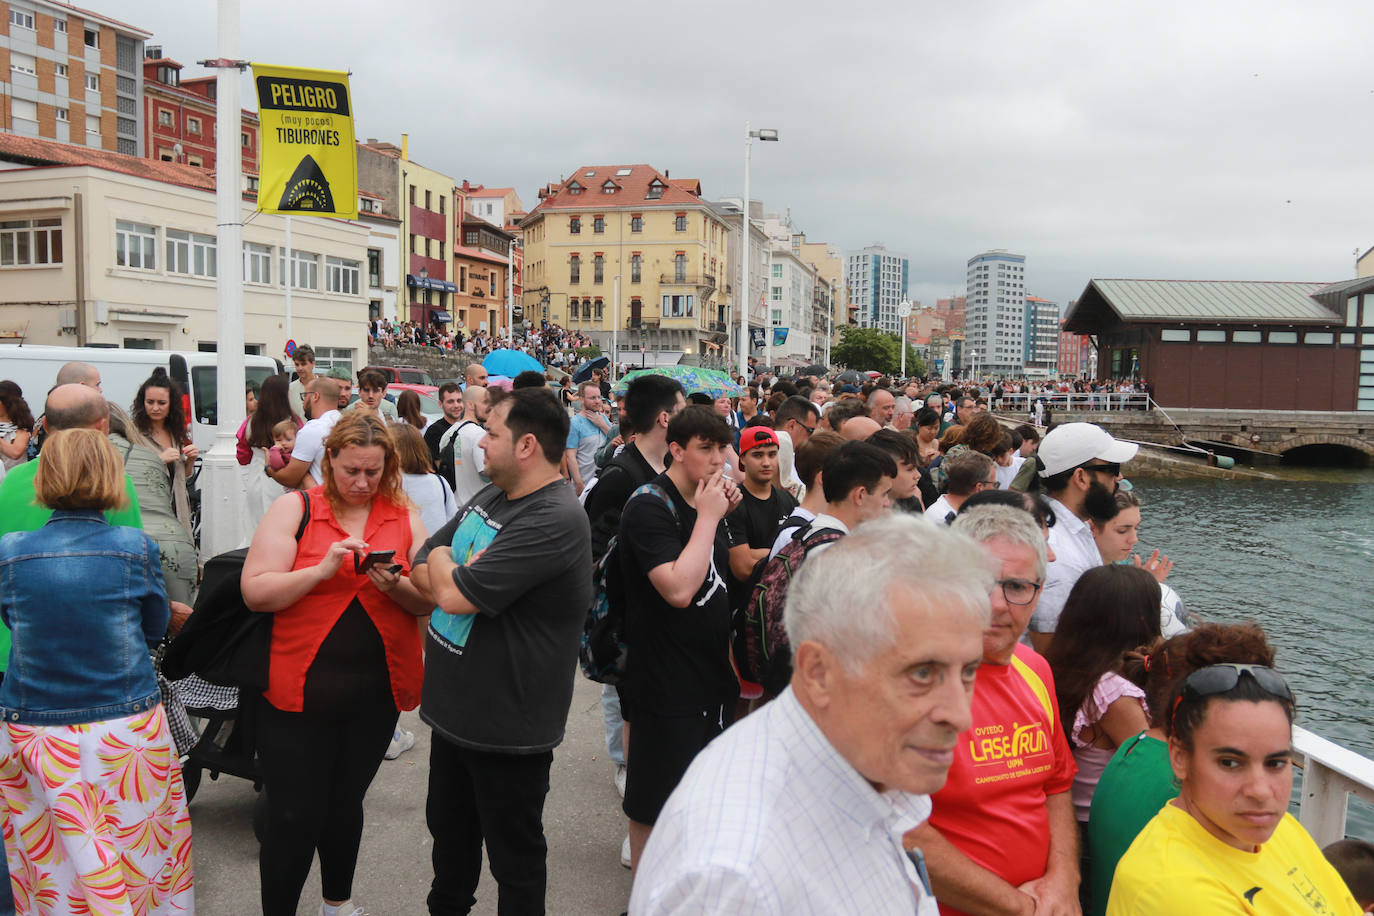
[(438, 363)]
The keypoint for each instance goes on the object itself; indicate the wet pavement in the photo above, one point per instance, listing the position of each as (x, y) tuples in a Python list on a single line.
[(582, 821)]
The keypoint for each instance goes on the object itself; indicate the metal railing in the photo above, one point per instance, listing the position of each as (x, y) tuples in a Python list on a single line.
[(1330, 775), (1059, 401), (685, 279)]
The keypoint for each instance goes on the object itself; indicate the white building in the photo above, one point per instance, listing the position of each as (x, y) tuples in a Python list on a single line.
[(1041, 352), (729, 209), (100, 249), (791, 302), (877, 281), (995, 321)]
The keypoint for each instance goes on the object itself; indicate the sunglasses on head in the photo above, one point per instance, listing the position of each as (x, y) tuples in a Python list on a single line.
[(1219, 679)]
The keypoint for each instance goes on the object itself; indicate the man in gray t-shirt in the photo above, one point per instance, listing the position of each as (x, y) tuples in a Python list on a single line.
[(510, 576), (588, 431)]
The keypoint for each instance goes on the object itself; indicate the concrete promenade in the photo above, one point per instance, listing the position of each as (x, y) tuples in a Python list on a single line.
[(582, 821)]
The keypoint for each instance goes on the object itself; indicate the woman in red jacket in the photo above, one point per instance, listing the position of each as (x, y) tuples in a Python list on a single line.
[(345, 658)]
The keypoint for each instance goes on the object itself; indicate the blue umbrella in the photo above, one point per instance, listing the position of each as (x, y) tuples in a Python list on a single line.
[(510, 363), (584, 371)]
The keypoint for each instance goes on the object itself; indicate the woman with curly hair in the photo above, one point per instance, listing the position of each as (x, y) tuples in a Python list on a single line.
[(16, 426), (158, 414)]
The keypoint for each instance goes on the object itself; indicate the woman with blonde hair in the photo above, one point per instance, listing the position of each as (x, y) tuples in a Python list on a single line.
[(93, 803), (344, 657)]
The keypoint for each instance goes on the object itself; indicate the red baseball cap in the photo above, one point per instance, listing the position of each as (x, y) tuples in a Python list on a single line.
[(755, 436)]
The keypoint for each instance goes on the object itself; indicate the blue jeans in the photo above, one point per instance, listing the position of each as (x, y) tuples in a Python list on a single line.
[(615, 726)]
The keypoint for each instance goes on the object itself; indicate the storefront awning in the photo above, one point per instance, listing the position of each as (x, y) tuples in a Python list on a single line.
[(442, 286), (440, 315)]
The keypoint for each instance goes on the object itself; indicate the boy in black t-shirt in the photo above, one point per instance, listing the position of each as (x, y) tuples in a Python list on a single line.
[(680, 687), (763, 506)]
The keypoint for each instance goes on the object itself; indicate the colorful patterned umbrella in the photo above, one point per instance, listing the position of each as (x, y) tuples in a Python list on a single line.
[(711, 382)]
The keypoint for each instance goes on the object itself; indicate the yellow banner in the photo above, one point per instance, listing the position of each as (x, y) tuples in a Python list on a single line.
[(308, 164)]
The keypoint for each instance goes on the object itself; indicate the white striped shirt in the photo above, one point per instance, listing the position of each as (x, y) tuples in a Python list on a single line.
[(770, 819)]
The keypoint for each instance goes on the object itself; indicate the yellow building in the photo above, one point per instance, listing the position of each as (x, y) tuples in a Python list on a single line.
[(666, 246), (829, 263)]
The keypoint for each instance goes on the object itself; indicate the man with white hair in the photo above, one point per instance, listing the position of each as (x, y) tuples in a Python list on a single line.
[(1002, 837), (800, 808)]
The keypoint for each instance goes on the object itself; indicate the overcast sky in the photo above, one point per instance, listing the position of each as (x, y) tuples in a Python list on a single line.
[(1190, 140)]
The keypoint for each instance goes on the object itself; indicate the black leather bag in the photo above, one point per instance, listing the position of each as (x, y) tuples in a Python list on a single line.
[(223, 641)]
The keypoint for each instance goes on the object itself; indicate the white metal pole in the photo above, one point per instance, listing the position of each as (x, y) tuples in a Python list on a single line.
[(290, 275), (743, 298), (768, 307), (220, 482), (903, 346), (615, 324), (510, 293)]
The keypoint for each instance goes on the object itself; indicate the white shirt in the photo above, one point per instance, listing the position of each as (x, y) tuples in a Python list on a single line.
[(1005, 475), (770, 819), (468, 459), (938, 510), (432, 497), (785, 533), (787, 469), (310, 441), (1075, 552)]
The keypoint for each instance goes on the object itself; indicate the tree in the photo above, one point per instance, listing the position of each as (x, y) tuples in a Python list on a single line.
[(873, 348)]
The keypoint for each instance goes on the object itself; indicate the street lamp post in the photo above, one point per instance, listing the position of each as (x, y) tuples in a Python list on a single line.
[(904, 312), (762, 134), (424, 297)]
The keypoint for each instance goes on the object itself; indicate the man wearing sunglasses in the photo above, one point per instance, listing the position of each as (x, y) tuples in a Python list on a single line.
[(1002, 836), (1080, 471), (794, 422)]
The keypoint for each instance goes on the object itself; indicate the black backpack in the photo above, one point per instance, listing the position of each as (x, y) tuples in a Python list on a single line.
[(604, 653), (759, 640), (448, 462), (223, 641)]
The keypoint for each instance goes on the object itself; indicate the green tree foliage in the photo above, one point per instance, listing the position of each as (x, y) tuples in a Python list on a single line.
[(872, 348)]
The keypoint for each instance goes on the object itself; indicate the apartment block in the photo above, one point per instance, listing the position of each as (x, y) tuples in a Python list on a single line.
[(71, 75), (179, 117), (995, 320), (878, 280)]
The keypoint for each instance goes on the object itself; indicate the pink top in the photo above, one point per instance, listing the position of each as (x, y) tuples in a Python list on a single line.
[(1093, 760)]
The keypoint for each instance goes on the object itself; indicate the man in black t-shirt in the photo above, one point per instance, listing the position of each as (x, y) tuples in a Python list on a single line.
[(680, 687), (763, 505), (451, 400)]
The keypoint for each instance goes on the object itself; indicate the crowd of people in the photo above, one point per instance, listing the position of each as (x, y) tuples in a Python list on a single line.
[(551, 344), (872, 651)]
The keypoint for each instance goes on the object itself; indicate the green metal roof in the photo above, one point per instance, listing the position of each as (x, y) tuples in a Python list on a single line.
[(1206, 300)]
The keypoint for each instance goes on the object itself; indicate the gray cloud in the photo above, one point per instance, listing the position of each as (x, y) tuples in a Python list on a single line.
[(1206, 141)]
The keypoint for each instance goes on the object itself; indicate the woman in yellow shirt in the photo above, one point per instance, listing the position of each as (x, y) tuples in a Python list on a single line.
[(1227, 844)]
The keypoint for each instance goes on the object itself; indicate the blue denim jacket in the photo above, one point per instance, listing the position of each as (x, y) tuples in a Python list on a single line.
[(84, 600)]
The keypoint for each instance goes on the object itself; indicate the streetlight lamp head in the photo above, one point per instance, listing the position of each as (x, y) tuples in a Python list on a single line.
[(766, 134), (424, 272)]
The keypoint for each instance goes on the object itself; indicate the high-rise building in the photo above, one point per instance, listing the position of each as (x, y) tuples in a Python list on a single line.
[(74, 76), (995, 321), (877, 280), (1040, 355)]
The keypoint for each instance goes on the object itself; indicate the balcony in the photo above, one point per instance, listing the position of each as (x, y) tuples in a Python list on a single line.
[(720, 327), (644, 321), (701, 281)]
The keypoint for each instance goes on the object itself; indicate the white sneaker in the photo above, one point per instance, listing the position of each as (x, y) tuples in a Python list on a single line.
[(620, 780), (401, 741), (625, 852), (347, 908)]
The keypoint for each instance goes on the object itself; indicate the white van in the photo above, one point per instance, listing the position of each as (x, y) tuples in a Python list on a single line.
[(34, 368)]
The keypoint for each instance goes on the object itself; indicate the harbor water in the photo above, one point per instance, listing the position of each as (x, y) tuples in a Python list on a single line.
[(1295, 555)]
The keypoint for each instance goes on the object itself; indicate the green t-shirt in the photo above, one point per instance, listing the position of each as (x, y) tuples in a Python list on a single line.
[(20, 511), (1137, 782)]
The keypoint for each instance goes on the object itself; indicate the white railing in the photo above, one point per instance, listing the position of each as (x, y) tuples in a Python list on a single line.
[(1059, 401), (1330, 774)]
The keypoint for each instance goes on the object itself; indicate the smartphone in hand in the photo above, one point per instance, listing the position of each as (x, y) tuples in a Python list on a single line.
[(376, 557)]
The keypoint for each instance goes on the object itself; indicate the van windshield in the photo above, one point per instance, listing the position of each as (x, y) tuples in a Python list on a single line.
[(204, 382)]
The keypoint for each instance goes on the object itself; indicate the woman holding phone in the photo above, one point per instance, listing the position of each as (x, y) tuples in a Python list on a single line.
[(344, 656)]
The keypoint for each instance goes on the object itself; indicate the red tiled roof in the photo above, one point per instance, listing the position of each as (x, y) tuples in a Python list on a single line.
[(463, 251), (33, 151), (480, 191), (633, 191)]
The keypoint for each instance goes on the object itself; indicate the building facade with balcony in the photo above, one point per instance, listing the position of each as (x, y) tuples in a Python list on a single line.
[(791, 304), (828, 261), (71, 75), (423, 200), (101, 249), (878, 281), (179, 117), (480, 263), (667, 246), (729, 210)]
